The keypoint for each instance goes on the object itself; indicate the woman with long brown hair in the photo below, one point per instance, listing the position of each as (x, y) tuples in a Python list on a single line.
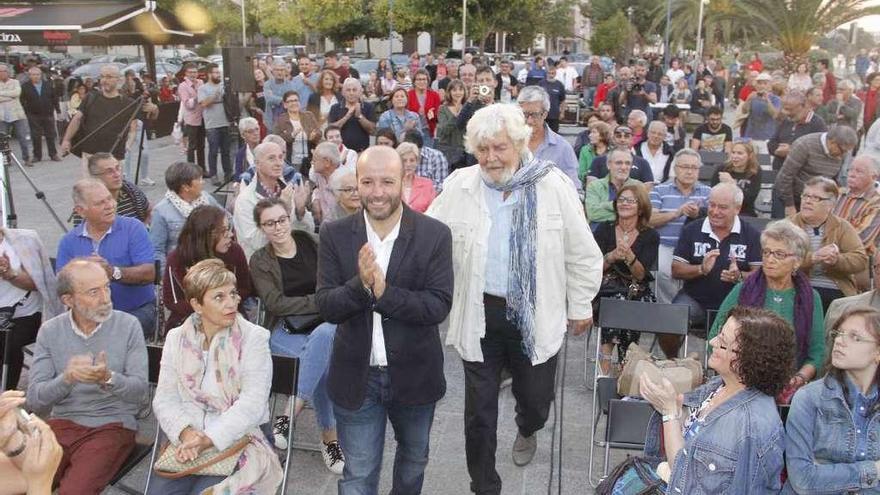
[(742, 171), (207, 233), (327, 95), (449, 138)]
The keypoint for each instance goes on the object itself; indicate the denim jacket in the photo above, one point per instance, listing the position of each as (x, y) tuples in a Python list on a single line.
[(737, 450), (821, 443)]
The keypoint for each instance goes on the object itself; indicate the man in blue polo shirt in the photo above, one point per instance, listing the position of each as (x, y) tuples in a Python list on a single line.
[(674, 203), (123, 242), (711, 256), (641, 169)]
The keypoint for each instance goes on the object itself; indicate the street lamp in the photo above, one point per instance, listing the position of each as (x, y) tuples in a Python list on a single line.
[(700, 31), (463, 27)]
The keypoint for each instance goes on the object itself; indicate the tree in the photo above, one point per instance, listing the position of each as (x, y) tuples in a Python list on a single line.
[(794, 26), (612, 37), (724, 22)]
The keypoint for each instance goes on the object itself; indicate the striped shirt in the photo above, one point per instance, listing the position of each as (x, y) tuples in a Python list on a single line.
[(668, 197), (807, 158), (818, 278), (863, 213)]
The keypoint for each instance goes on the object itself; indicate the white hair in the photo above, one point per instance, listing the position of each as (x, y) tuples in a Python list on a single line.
[(642, 116), (656, 123), (872, 162), (328, 150), (265, 147), (336, 177), (352, 82), (733, 189), (488, 122), (275, 139), (531, 94), (247, 123)]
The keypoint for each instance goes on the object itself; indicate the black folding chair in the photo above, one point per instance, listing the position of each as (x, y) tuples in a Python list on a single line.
[(6, 355), (706, 172), (712, 157), (627, 426), (758, 223), (645, 317), (142, 449), (765, 160)]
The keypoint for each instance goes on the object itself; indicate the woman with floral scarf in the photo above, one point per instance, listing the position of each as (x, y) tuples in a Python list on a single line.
[(213, 390)]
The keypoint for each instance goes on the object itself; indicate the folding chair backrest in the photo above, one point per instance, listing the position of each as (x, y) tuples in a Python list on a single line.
[(285, 371), (644, 316), (706, 172), (768, 176), (606, 389), (154, 358), (628, 422), (712, 157), (765, 159), (757, 223)]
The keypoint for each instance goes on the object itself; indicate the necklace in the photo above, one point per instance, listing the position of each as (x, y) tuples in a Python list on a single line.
[(626, 233)]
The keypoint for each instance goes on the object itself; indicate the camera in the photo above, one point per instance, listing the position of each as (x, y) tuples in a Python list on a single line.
[(485, 90)]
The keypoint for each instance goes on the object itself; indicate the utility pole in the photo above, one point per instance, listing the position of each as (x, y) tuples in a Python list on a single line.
[(463, 27)]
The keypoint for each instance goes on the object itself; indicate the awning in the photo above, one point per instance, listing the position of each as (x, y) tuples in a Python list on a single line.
[(101, 22)]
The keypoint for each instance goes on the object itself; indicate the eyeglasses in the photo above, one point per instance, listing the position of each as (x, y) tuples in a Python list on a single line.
[(110, 171), (850, 336), (622, 134), (777, 255), (687, 167), (813, 197), (627, 201), (347, 190), (533, 115), (271, 224)]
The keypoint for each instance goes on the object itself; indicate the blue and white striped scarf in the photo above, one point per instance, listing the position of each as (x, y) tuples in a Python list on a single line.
[(522, 280)]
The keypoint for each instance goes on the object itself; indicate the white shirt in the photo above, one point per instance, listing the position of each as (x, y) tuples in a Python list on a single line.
[(79, 332), (674, 75), (657, 161), (382, 248), (567, 76), (10, 294)]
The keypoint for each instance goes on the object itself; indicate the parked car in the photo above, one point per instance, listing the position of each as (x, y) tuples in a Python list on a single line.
[(176, 53), (290, 50), (163, 69), (399, 60), (93, 70), (121, 59), (364, 67)]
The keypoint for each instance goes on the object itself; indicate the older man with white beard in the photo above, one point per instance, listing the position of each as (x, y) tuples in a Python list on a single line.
[(90, 371), (517, 224)]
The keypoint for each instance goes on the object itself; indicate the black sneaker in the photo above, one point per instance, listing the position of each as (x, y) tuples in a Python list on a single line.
[(333, 457), (281, 430)]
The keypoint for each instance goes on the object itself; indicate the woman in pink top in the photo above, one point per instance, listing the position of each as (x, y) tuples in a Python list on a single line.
[(418, 192)]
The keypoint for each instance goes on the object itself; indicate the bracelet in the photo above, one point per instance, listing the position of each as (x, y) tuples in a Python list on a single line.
[(671, 417)]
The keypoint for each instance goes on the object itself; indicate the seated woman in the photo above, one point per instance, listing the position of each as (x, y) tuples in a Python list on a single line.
[(630, 248), (344, 185), (832, 429), (207, 233), (249, 130), (743, 171), (285, 273), (418, 192), (185, 193), (213, 389), (28, 289), (838, 253), (729, 438), (781, 287), (598, 145)]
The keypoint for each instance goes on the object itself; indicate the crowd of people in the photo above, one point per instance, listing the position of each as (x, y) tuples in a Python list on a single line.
[(353, 210)]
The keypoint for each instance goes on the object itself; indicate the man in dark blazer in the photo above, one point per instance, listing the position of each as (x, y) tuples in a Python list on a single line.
[(40, 104), (385, 278)]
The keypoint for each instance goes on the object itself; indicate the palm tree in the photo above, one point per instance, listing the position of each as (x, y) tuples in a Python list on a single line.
[(722, 23), (794, 26)]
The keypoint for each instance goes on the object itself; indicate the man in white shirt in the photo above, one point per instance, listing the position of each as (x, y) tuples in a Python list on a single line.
[(385, 279), (502, 208), (567, 75), (655, 150)]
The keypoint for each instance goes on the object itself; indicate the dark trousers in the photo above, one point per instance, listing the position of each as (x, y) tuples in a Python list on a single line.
[(219, 141), (532, 388), (828, 296), (22, 333), (42, 127), (553, 124), (92, 456), (195, 144)]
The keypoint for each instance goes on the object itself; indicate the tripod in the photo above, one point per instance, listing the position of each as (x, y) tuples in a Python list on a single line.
[(6, 160)]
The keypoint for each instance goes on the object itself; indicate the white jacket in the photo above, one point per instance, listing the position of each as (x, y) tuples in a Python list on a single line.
[(249, 411), (569, 269), (249, 235)]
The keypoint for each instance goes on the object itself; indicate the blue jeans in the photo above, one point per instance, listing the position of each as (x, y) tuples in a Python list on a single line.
[(589, 94), (313, 351), (362, 438), (131, 155), (22, 133), (218, 142), (146, 315)]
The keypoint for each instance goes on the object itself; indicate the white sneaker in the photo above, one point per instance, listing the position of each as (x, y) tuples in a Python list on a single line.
[(148, 181), (281, 430), (333, 457)]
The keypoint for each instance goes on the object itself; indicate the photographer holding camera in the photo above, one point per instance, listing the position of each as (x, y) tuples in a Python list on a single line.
[(636, 92), (481, 94)]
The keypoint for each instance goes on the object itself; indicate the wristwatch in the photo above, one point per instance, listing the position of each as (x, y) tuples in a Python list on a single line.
[(117, 274)]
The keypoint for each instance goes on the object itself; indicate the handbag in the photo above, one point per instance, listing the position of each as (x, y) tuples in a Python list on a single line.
[(685, 373), (211, 462), (300, 324), (634, 476)]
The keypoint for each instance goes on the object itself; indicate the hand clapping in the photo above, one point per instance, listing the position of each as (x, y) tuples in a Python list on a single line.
[(370, 273)]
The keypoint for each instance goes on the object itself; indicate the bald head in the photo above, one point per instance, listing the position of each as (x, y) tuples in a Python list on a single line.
[(380, 183)]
